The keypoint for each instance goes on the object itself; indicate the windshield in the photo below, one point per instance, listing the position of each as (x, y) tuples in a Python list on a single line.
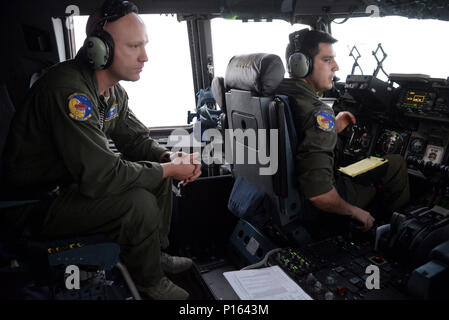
[(412, 46), (232, 38), (164, 93)]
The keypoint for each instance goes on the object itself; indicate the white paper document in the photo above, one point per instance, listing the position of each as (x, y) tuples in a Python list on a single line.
[(265, 284)]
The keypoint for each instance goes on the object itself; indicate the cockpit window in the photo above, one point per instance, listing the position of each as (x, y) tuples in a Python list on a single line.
[(231, 38), (412, 46), (164, 93)]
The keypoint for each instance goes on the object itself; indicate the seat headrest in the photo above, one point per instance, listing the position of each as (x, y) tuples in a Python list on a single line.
[(218, 92), (258, 72)]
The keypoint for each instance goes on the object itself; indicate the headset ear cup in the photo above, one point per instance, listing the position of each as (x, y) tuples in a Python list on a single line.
[(99, 50), (300, 65)]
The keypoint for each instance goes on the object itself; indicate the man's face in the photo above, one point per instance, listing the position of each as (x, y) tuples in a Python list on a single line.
[(324, 68), (130, 37)]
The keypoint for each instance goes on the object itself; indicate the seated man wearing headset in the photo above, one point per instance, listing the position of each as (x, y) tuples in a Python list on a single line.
[(311, 63), (59, 138)]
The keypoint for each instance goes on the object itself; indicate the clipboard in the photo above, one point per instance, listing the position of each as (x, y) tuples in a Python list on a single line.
[(367, 170)]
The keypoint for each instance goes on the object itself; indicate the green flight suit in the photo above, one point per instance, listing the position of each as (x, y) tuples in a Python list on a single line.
[(315, 155), (59, 138)]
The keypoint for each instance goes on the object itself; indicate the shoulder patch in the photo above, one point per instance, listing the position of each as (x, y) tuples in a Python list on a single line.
[(324, 120), (80, 106), (112, 113)]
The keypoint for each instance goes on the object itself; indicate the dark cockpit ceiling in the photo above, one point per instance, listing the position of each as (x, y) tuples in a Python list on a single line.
[(294, 11)]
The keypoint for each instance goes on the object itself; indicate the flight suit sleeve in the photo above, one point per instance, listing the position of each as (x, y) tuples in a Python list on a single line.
[(132, 138), (84, 148), (314, 157)]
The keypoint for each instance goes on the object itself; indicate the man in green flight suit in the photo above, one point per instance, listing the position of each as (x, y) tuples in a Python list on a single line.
[(60, 138), (312, 66)]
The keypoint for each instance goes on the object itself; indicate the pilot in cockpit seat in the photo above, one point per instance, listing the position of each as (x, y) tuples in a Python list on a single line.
[(311, 64)]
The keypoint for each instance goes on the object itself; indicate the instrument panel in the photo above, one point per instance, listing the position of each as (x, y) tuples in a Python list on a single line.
[(419, 144), (423, 97), (391, 142), (415, 125), (417, 99)]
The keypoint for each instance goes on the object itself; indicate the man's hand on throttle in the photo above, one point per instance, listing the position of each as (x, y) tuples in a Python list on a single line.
[(343, 119), (364, 218)]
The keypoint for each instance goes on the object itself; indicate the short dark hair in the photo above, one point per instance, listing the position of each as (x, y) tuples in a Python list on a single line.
[(309, 43)]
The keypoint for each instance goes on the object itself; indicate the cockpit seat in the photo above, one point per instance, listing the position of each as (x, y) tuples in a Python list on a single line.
[(262, 133), (27, 258)]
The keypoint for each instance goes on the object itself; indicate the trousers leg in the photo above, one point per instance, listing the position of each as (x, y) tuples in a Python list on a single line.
[(133, 219), (357, 194), (396, 188), (395, 192), (164, 197)]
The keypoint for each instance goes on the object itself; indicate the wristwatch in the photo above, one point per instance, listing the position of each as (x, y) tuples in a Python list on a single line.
[(166, 157)]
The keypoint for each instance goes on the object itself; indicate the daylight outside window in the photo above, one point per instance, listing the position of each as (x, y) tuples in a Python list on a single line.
[(412, 46), (164, 93), (230, 38)]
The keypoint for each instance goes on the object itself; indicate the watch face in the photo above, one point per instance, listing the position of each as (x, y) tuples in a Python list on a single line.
[(166, 157)]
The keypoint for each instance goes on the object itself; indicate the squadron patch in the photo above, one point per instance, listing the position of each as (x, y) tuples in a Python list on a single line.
[(112, 113), (324, 120), (80, 107)]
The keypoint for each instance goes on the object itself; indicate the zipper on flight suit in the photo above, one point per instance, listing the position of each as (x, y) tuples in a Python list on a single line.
[(102, 110)]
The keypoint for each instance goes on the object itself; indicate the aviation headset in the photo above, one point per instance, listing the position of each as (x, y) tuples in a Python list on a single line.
[(99, 45), (299, 64)]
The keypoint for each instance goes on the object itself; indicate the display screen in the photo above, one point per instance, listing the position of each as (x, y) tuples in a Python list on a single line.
[(415, 98), (391, 142)]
